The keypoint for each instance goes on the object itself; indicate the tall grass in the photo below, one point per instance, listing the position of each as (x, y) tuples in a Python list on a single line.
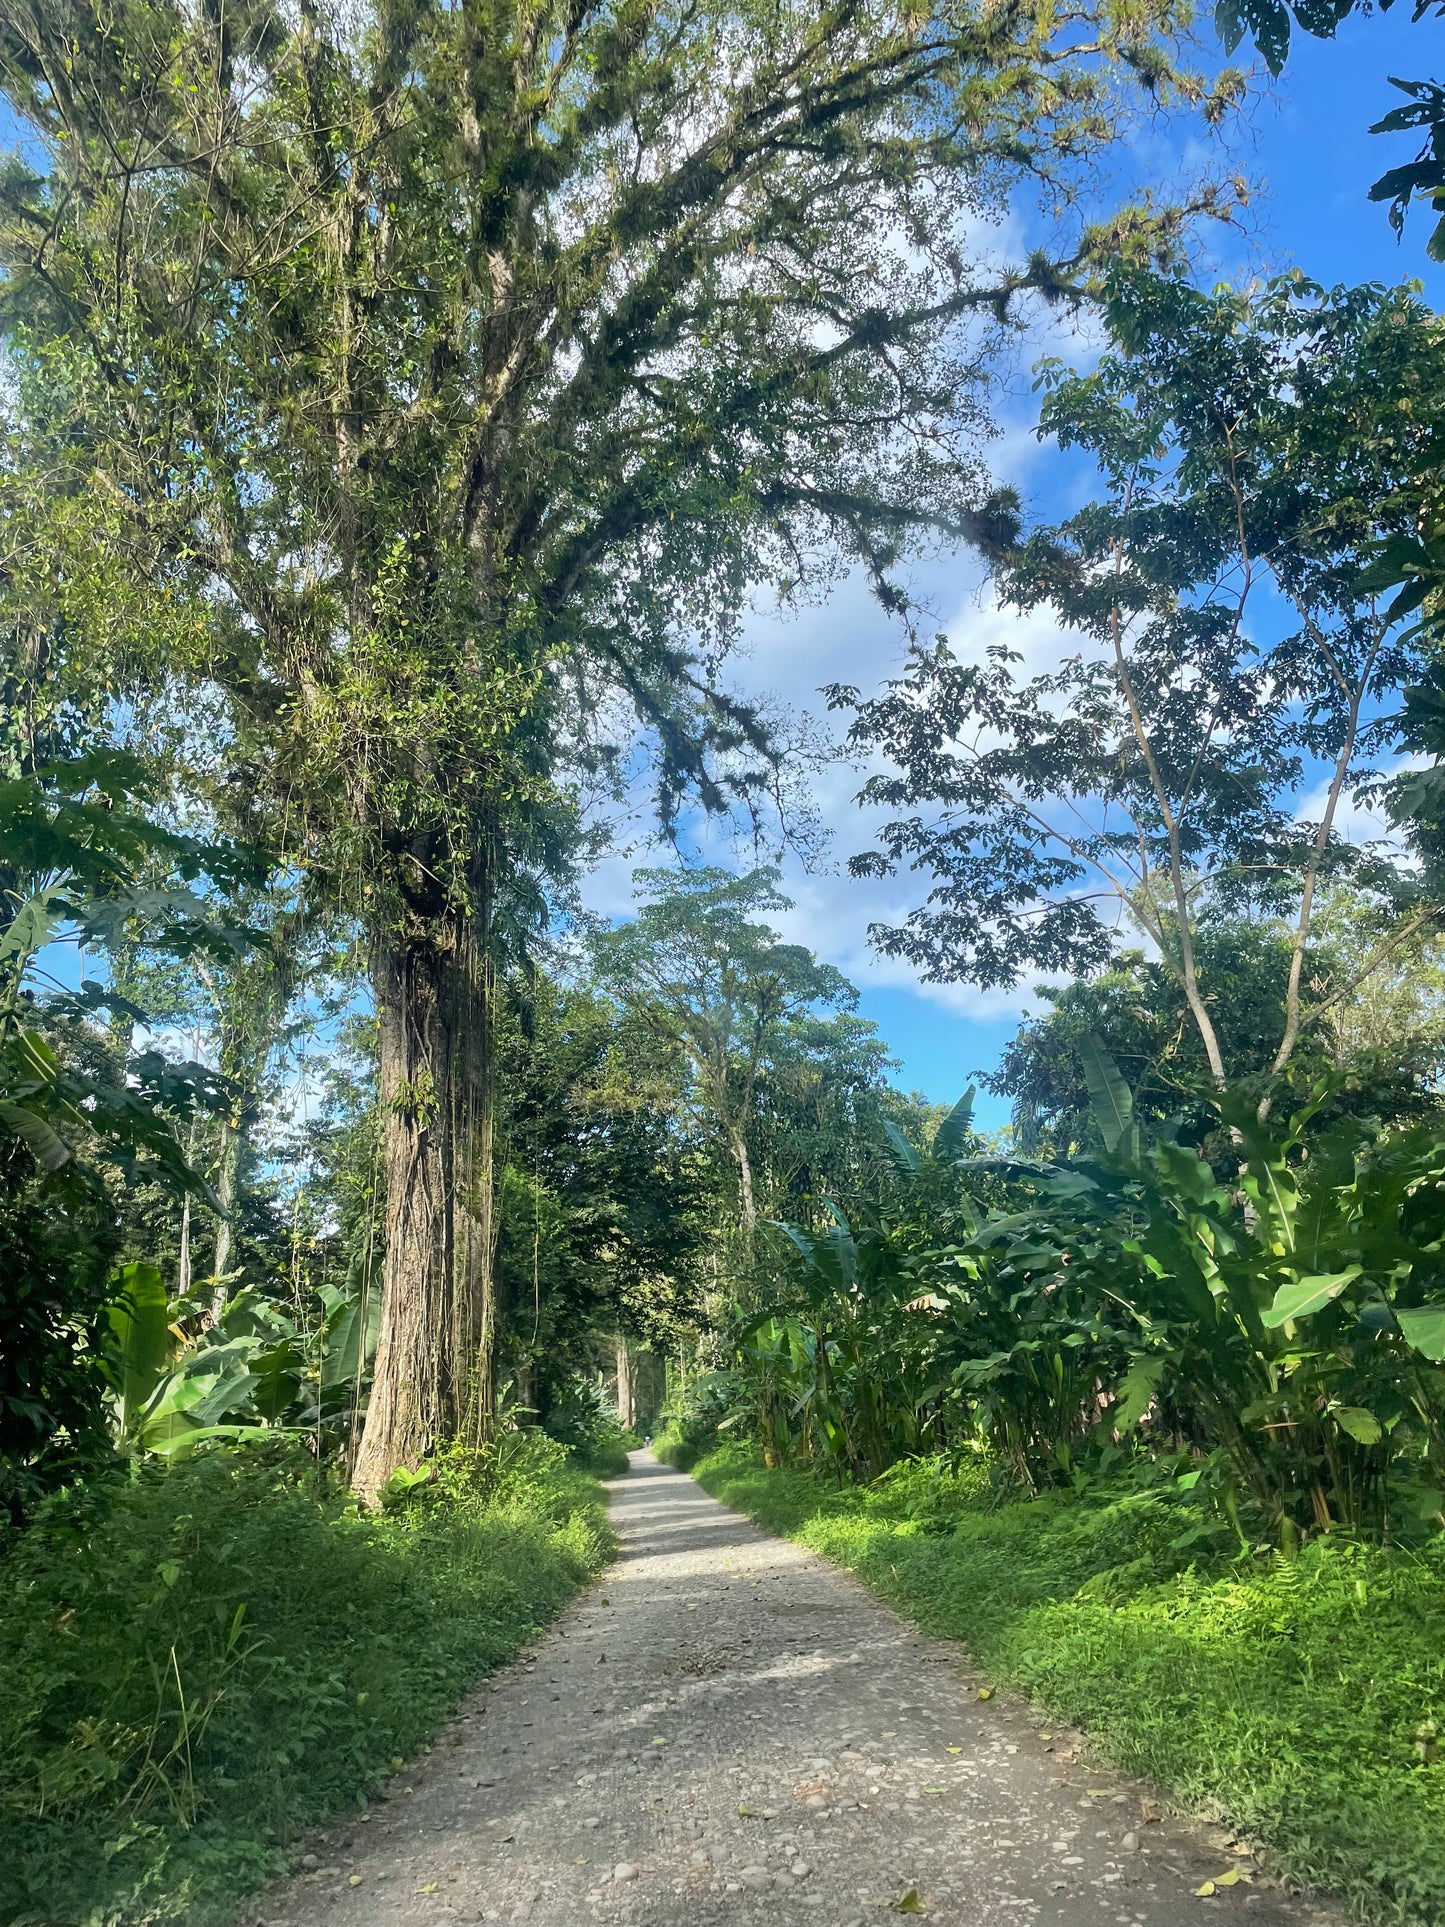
[(196, 1662)]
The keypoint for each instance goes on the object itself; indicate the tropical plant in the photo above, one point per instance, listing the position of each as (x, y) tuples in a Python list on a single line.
[(81, 1122), (255, 1367), (75, 841), (1285, 1324)]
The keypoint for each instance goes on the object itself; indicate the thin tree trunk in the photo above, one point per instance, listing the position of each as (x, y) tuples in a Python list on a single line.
[(434, 1377), (227, 1165), (1187, 974), (748, 1204), (625, 1408), (183, 1264)]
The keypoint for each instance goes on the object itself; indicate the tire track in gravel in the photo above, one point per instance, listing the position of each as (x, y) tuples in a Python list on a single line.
[(728, 1729)]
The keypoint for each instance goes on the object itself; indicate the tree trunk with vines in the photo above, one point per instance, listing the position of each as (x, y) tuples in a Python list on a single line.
[(434, 1376)]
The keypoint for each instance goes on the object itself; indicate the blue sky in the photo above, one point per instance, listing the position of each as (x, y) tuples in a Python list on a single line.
[(1310, 159)]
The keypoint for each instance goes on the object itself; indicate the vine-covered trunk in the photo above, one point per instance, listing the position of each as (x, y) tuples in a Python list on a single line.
[(434, 1372)]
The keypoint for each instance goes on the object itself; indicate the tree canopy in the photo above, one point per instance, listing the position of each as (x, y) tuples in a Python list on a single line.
[(1236, 680)]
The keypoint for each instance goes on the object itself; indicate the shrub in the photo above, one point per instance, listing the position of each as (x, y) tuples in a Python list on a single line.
[(581, 1418), (196, 1662)]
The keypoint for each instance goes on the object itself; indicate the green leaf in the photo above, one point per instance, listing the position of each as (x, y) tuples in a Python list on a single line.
[(1228, 25), (31, 928), (140, 1324), (1361, 1425), (403, 1485), (953, 1132), (1303, 1296), (182, 1440), (1109, 1096), (1424, 1328), (904, 1155), (1138, 1389), (48, 1149)]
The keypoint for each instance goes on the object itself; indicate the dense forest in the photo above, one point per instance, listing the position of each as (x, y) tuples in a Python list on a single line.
[(407, 409)]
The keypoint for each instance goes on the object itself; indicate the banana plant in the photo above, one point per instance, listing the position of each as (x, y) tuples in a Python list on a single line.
[(144, 1341), (950, 1140), (255, 1371), (1292, 1317)]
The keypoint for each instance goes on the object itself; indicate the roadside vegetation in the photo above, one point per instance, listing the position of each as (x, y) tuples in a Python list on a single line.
[(198, 1661), (1298, 1700)]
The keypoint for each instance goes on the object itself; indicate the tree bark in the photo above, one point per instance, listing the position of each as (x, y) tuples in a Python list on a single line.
[(228, 1161), (625, 1410), (747, 1202), (183, 1263), (434, 1377)]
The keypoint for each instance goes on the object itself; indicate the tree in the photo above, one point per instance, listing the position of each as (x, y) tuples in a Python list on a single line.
[(1234, 684), (1270, 24), (723, 988), (606, 1194), (1386, 1034), (823, 1102), (472, 364), (240, 1015)]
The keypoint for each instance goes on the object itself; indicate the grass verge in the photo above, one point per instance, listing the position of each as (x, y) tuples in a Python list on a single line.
[(1295, 1699), (197, 1663)]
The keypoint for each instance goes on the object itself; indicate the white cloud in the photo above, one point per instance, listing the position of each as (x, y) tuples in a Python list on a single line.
[(1357, 821), (790, 653)]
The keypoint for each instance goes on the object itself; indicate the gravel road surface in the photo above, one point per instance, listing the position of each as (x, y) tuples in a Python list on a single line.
[(727, 1729)]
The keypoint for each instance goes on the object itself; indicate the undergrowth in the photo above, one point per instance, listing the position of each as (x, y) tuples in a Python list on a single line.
[(604, 1458), (675, 1448), (195, 1663), (1296, 1699)]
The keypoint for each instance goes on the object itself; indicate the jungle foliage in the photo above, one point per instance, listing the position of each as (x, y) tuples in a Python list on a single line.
[(198, 1659), (406, 408)]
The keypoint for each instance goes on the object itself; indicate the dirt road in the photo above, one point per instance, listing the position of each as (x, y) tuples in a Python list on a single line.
[(726, 1729)]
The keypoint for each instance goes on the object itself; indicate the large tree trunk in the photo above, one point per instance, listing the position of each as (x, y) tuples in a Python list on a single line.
[(434, 1372)]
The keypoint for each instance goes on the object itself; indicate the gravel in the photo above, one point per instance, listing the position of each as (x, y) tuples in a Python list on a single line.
[(767, 1743)]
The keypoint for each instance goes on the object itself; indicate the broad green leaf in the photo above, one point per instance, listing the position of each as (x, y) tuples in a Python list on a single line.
[(1424, 1328), (140, 1323), (904, 1155), (1361, 1425), (277, 1379), (182, 1440), (404, 1484), (1302, 1296), (31, 929), (45, 1145), (1110, 1099), (953, 1132)]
